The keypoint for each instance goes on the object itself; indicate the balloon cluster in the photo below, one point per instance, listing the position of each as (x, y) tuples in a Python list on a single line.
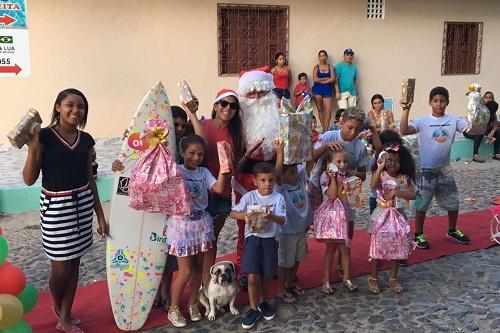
[(16, 296)]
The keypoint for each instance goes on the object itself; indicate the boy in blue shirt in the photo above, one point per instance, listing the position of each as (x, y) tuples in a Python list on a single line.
[(435, 137), (260, 255), (347, 81)]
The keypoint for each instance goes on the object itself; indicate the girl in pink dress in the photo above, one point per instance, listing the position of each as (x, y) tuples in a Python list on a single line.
[(389, 229), (331, 220)]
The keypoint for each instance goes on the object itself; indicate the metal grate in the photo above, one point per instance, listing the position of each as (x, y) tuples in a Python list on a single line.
[(462, 48), (250, 35), (375, 10)]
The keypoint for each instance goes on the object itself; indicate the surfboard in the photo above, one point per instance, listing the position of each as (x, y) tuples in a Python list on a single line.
[(137, 243)]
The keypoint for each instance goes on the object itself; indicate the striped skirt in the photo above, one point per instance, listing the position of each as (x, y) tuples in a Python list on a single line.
[(66, 219)]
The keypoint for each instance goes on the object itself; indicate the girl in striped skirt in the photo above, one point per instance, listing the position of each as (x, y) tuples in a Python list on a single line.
[(69, 196)]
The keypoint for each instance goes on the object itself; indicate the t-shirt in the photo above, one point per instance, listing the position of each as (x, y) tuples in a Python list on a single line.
[(357, 156), (213, 135), (199, 182), (346, 75), (274, 201), (304, 90), (435, 137), (298, 209), (64, 165)]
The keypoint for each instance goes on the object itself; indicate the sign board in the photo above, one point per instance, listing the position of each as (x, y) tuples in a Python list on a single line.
[(14, 42)]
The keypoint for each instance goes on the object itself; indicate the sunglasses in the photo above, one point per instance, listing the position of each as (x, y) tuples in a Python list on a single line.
[(233, 106)]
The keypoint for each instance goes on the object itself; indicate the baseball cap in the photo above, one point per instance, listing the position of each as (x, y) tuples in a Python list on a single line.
[(348, 51)]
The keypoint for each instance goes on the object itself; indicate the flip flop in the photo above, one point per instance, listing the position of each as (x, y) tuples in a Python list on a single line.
[(496, 201), (295, 290), (74, 320), (287, 298), (71, 329)]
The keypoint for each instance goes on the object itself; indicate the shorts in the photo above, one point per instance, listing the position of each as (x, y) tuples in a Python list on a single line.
[(439, 183), (282, 93), (171, 264), (373, 204), (322, 89), (292, 248), (218, 206), (346, 100), (260, 256)]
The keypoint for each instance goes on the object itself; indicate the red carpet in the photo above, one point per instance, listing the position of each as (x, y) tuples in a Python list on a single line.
[(93, 308)]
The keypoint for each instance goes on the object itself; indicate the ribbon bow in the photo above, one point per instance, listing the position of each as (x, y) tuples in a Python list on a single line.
[(393, 148), (156, 132)]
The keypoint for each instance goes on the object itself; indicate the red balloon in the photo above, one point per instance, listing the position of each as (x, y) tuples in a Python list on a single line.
[(1, 231), (12, 279)]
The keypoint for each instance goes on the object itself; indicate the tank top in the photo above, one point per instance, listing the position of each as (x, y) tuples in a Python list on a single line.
[(281, 79)]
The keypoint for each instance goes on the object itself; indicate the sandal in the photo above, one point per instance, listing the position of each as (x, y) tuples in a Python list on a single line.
[(74, 320), (71, 329), (326, 288), (396, 286), (295, 290), (350, 286), (496, 157), (373, 286), (287, 298), (477, 159)]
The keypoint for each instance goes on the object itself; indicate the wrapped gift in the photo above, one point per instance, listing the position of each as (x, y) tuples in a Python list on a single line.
[(225, 159), (156, 183), (478, 114), (24, 128), (354, 195), (187, 96), (407, 91), (295, 129), (257, 220)]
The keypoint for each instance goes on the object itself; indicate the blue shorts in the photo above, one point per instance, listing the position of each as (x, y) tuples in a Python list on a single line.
[(260, 256), (323, 89), (218, 206), (282, 93), (373, 204), (171, 264)]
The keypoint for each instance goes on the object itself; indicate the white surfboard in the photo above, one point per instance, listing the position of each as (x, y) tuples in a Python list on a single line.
[(136, 246)]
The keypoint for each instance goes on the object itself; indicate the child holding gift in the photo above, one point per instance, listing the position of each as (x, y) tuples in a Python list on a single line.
[(394, 166), (260, 257), (435, 137), (301, 89), (291, 180), (190, 236), (333, 221)]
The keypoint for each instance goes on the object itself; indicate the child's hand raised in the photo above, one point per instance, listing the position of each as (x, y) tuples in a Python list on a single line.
[(405, 106), (279, 144), (335, 145), (381, 160), (117, 166)]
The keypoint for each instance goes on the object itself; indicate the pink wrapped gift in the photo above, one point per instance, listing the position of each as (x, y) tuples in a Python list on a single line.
[(330, 222), (156, 183), (225, 160), (390, 236)]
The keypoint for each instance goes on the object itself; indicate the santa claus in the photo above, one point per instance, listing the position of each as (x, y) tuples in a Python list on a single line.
[(259, 116)]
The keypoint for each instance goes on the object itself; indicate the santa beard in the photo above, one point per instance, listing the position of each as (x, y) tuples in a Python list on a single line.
[(260, 120)]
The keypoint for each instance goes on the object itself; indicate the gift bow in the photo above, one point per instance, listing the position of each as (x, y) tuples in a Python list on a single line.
[(156, 132), (393, 148)]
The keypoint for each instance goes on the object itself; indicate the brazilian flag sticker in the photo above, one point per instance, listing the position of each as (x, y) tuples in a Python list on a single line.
[(6, 40)]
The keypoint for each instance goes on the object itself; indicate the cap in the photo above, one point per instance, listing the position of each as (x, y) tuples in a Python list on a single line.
[(348, 51)]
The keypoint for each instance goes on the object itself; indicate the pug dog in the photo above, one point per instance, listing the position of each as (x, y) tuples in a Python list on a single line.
[(221, 290)]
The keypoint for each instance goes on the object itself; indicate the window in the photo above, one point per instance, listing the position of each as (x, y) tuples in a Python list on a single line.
[(250, 35), (375, 10), (462, 48)]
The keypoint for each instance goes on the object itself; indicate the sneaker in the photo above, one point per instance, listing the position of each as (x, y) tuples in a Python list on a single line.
[(176, 318), (250, 319), (421, 241), (243, 282), (267, 311), (194, 313), (458, 236)]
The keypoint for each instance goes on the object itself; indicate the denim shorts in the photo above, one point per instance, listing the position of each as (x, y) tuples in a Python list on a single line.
[(438, 183), (218, 206), (260, 256), (282, 93), (171, 264)]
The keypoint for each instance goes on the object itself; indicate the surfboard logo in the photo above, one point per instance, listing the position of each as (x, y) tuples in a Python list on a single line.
[(154, 237), (122, 186), (120, 260)]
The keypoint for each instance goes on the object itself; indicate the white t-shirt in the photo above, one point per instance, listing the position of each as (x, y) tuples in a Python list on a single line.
[(274, 201), (298, 209), (357, 156), (199, 182), (435, 137)]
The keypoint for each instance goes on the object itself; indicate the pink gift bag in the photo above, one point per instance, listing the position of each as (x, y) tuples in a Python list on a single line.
[(390, 236), (156, 184), (330, 223)]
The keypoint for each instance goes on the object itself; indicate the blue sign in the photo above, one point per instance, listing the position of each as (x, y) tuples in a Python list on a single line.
[(13, 14)]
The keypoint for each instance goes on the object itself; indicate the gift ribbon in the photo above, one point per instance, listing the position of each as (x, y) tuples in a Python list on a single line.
[(157, 135)]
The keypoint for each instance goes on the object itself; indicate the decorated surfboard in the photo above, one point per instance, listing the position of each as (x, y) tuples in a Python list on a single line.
[(137, 244)]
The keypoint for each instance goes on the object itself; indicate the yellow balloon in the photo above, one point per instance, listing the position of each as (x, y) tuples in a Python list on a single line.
[(11, 311)]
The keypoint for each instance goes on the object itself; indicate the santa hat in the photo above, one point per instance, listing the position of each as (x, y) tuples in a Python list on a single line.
[(225, 93), (257, 79)]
